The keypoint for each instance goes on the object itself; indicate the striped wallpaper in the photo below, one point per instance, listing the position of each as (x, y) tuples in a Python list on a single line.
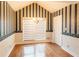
[(0, 18), (33, 10), (70, 19), (7, 20), (11, 21)]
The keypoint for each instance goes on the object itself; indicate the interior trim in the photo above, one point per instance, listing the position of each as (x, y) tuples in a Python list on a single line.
[(3, 37)]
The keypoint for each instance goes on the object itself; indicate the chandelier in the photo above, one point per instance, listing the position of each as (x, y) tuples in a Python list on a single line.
[(36, 20)]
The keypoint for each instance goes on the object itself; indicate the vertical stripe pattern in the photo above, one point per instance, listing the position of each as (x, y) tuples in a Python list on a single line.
[(34, 10), (70, 20), (7, 19)]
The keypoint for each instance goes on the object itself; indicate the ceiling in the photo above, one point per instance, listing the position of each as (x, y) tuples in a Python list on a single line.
[(49, 5)]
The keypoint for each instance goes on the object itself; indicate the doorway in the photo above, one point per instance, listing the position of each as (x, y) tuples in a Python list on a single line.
[(34, 29), (57, 22)]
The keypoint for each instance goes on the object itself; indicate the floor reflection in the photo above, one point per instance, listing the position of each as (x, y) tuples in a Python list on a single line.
[(39, 50), (34, 51)]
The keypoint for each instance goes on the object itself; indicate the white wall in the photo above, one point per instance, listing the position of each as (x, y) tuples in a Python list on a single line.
[(7, 45), (19, 38), (68, 43)]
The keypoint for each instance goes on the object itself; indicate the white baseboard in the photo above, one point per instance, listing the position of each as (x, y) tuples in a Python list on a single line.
[(67, 50), (10, 50), (73, 54), (33, 41)]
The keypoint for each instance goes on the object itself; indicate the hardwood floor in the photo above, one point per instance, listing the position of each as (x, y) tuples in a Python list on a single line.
[(39, 50)]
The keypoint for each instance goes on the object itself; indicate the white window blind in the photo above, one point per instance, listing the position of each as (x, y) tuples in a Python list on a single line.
[(33, 30)]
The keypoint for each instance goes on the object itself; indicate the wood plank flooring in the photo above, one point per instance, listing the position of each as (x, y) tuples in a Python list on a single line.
[(39, 50)]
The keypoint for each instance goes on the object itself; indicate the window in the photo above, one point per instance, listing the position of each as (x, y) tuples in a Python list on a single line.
[(34, 29)]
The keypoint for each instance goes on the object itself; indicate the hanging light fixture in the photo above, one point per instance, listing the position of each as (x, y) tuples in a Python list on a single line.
[(36, 20)]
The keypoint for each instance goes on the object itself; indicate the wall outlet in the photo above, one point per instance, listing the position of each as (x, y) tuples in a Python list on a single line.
[(48, 38), (68, 46)]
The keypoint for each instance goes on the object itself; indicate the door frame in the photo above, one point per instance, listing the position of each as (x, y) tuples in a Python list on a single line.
[(55, 20)]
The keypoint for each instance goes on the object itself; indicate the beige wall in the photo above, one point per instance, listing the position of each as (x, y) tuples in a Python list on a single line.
[(18, 38), (7, 45)]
